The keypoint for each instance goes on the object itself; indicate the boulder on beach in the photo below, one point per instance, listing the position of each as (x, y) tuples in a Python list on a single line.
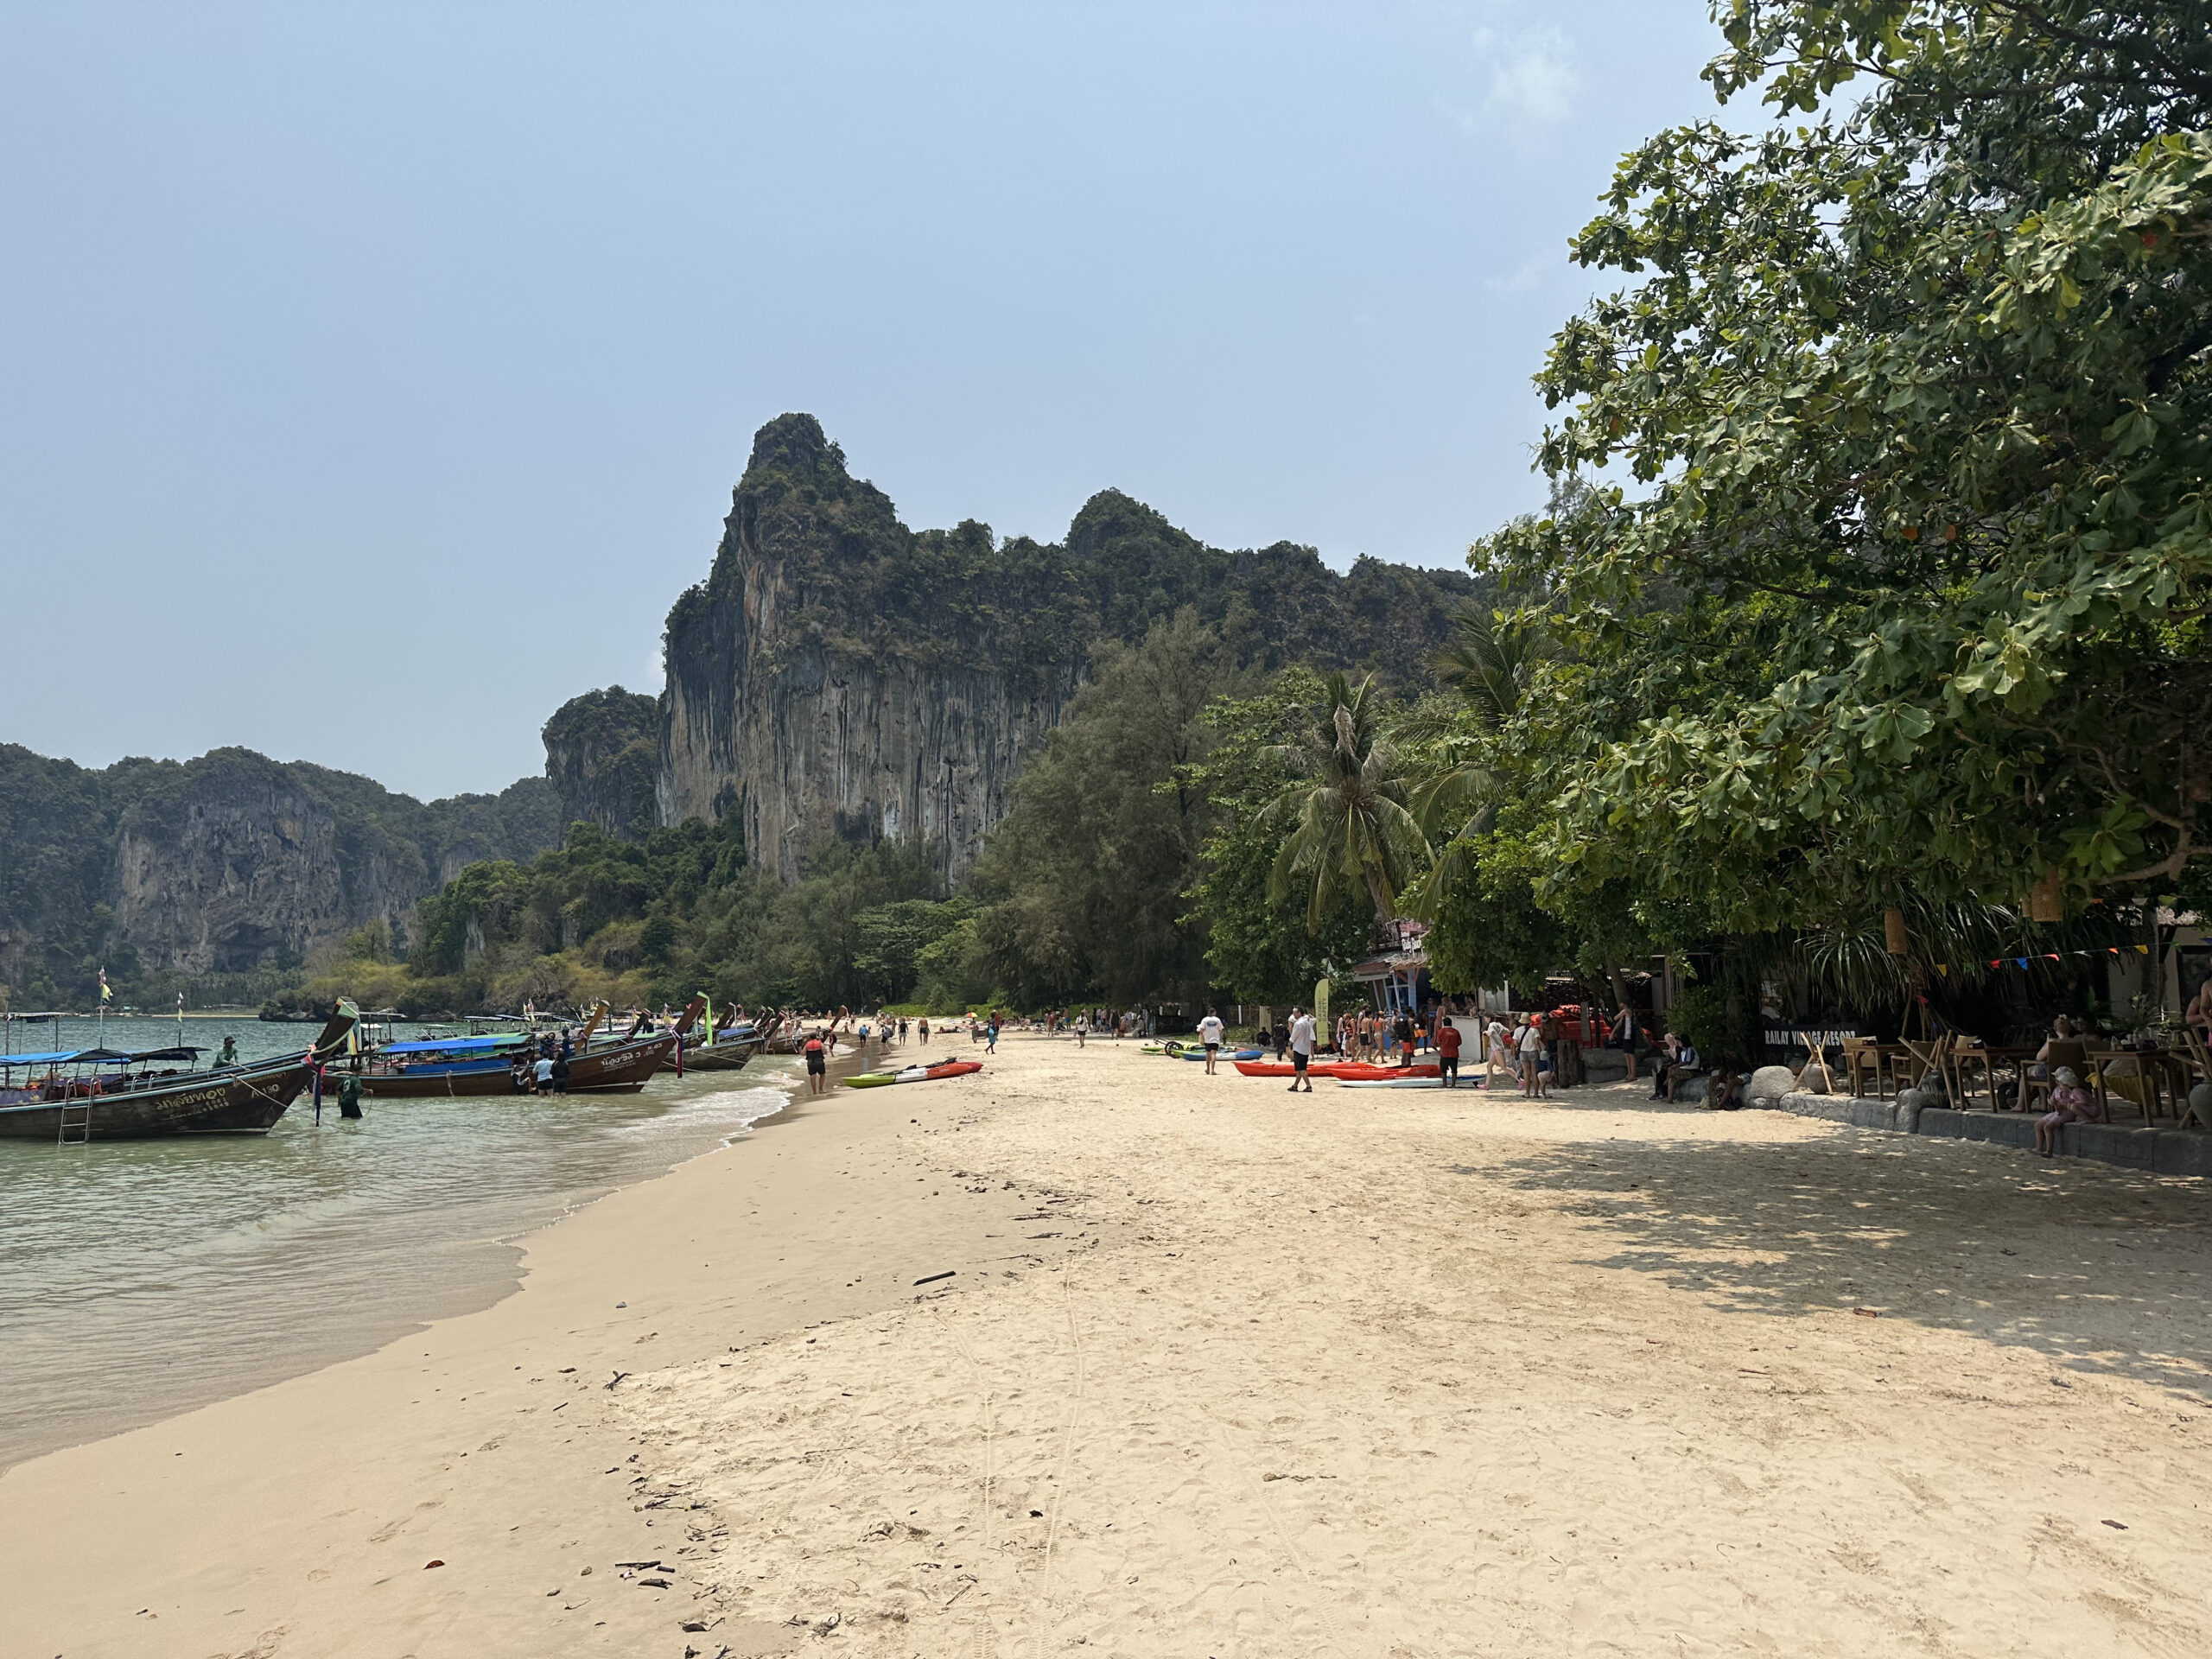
[(1910, 1104), (1771, 1082)]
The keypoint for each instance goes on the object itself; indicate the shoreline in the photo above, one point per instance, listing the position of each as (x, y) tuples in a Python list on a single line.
[(1216, 1371), (477, 1266)]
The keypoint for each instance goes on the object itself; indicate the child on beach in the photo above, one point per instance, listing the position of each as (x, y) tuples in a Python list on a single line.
[(2069, 1103)]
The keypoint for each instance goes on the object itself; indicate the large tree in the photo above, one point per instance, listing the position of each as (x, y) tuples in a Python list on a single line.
[(1899, 585), (1083, 883)]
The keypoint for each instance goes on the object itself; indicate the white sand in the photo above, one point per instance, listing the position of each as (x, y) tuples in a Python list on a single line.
[(1225, 1372)]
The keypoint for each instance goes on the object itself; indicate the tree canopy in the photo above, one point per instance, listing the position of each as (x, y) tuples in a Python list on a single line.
[(1912, 600)]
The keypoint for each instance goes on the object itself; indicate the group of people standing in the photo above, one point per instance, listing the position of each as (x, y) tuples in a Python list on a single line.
[(543, 1069)]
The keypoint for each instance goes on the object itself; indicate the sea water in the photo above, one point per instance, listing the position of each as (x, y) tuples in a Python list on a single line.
[(139, 1279)]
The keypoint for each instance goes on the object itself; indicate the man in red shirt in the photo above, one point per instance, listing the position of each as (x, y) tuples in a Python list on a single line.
[(1447, 1052)]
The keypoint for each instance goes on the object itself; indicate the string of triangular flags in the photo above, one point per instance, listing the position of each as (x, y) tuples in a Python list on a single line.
[(1944, 968)]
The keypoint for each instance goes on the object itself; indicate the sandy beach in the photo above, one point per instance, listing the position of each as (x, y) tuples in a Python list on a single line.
[(1219, 1371)]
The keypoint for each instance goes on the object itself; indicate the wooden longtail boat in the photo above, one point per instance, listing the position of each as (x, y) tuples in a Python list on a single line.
[(728, 1049), (617, 1068), (232, 1100)]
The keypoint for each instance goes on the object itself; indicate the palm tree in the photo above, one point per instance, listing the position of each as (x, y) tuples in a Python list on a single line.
[(1489, 662), (1347, 825)]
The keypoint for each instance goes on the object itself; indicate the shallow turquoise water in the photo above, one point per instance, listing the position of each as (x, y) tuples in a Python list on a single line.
[(139, 1279)]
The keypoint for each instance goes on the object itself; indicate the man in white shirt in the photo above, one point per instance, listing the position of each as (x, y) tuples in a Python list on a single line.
[(1209, 1034), (1302, 1049)]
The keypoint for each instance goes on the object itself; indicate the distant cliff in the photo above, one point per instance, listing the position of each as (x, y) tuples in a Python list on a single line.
[(603, 752), (222, 865), (838, 674)]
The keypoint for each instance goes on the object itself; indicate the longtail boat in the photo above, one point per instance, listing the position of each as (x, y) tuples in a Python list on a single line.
[(618, 1068), (439, 1068), (230, 1100), (728, 1047)]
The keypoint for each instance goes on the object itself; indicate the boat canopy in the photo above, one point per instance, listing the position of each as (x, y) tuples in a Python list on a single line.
[(180, 1051), (453, 1045), (71, 1056)]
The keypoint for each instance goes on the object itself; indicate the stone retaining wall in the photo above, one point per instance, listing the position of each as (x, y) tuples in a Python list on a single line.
[(2163, 1151)]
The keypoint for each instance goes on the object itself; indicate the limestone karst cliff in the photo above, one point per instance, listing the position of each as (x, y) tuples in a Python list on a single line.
[(602, 754), (222, 865), (840, 675)]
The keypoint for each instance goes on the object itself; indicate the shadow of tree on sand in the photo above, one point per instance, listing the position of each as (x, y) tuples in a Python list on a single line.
[(2100, 1268)]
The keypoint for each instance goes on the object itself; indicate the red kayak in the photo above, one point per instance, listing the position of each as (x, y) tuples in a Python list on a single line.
[(1357, 1071), (1285, 1069)]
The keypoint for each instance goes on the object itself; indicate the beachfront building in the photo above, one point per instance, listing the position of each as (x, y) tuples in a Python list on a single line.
[(1398, 979)]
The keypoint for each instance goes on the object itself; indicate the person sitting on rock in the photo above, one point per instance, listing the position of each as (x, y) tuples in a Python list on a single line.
[(1681, 1065), (1724, 1089)]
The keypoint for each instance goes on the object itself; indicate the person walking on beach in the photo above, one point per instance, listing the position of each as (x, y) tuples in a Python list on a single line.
[(1302, 1050), (1209, 1034), (925, 1030), (991, 1036), (1499, 1043), (818, 1065), (1082, 1028)]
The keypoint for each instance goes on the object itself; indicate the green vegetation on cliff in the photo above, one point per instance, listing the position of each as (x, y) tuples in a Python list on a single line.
[(868, 585), (602, 750), (225, 869)]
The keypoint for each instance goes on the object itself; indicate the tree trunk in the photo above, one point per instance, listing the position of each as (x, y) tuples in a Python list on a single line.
[(1619, 980), (2154, 962)]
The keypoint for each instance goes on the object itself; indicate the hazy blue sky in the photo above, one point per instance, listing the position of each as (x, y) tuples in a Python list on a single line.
[(373, 378)]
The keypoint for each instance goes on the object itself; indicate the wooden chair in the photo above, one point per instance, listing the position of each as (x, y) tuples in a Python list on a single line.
[(2124, 1075), (1966, 1053), (1861, 1055), (1932, 1055), (2200, 1061)]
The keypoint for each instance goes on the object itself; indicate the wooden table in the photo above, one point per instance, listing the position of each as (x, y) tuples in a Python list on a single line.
[(2152, 1064)]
